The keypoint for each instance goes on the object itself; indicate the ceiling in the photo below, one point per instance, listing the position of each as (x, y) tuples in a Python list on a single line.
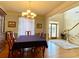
[(39, 7)]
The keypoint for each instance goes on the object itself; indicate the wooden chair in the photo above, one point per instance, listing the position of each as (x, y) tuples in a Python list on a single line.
[(43, 35), (10, 39), (27, 32), (39, 52)]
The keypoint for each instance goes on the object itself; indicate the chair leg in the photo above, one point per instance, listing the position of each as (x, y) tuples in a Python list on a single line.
[(43, 52), (37, 51), (22, 53), (16, 53), (10, 55)]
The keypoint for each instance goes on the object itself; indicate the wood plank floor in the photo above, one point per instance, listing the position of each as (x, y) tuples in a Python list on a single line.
[(53, 51)]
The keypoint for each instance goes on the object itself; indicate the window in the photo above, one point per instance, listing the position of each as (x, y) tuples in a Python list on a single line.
[(26, 25)]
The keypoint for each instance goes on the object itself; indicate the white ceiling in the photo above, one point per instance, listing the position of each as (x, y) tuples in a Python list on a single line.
[(39, 7)]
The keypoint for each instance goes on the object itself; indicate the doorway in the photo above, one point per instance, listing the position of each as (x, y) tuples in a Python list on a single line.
[(52, 30)]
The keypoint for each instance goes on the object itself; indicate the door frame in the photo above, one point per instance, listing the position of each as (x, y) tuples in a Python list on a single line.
[(51, 31)]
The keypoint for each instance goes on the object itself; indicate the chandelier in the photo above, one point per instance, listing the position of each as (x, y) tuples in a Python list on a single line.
[(29, 13)]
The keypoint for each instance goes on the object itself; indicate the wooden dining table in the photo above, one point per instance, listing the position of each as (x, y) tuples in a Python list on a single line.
[(25, 41)]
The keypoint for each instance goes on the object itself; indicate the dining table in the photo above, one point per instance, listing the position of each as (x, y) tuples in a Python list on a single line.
[(29, 41)]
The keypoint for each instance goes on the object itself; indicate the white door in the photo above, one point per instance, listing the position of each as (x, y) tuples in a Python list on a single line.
[(53, 30)]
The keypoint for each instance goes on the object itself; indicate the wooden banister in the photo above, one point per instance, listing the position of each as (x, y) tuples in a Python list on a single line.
[(71, 28)]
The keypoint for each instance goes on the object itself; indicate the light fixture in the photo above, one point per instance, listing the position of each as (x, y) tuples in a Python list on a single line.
[(29, 13)]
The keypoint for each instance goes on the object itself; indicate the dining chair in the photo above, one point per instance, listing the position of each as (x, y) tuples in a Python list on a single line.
[(27, 32), (10, 40), (42, 35), (39, 52)]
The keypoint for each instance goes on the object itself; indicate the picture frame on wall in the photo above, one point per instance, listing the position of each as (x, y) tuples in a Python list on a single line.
[(39, 25), (11, 24)]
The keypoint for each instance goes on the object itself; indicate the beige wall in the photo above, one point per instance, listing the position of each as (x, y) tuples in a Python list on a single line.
[(61, 8), (11, 16), (41, 20), (60, 19), (71, 19)]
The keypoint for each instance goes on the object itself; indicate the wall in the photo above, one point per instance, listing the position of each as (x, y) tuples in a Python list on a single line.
[(11, 16), (59, 17), (71, 18), (61, 8), (66, 5), (41, 20)]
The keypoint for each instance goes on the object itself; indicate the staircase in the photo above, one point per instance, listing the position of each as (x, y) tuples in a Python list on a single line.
[(73, 40), (72, 34)]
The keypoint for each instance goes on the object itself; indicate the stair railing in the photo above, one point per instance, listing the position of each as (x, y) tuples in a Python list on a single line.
[(67, 31)]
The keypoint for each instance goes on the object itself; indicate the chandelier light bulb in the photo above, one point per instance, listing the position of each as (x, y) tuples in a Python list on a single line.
[(24, 13), (28, 11)]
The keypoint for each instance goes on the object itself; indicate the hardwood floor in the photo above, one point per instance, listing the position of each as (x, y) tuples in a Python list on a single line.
[(53, 51), (4, 52)]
